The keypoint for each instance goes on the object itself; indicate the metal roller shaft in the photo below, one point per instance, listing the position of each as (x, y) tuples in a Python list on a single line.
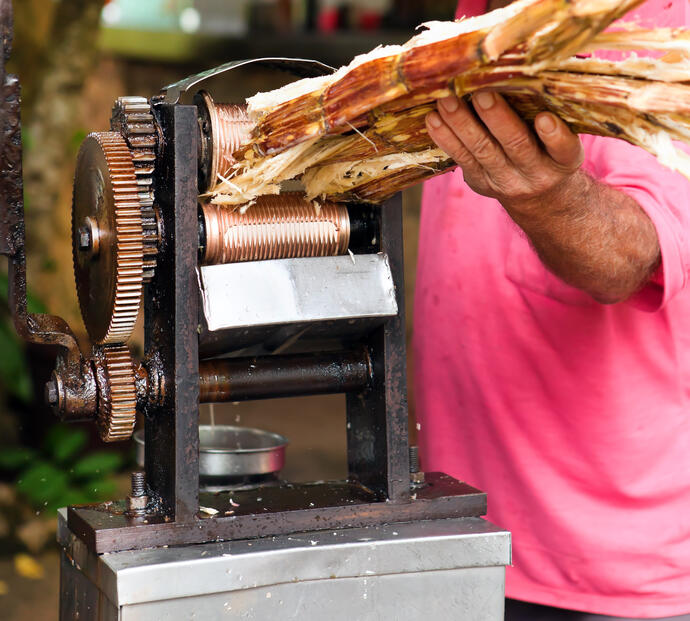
[(276, 227), (243, 379)]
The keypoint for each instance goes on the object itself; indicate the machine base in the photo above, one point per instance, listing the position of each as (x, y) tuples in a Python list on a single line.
[(274, 510), (435, 569)]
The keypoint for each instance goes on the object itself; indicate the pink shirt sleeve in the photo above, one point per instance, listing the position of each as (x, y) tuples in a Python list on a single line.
[(665, 197), (662, 193), (650, 14), (470, 8)]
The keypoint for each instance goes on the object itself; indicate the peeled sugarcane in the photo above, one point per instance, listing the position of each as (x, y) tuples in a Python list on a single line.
[(359, 133)]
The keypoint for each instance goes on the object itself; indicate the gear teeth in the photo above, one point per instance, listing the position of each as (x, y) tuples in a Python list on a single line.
[(118, 396), (128, 240), (133, 119)]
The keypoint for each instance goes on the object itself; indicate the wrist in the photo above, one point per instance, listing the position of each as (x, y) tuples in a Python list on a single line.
[(564, 197)]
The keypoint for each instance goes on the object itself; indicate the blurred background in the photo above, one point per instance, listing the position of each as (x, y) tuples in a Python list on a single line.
[(74, 58)]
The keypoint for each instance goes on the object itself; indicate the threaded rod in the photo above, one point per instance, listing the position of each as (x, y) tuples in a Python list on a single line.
[(414, 460), (138, 483)]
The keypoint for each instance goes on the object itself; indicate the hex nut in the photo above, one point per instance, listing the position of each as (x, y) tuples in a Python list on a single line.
[(136, 505), (51, 392), (417, 478), (84, 238)]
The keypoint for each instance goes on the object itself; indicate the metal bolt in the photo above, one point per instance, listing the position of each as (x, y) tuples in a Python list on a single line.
[(54, 392), (88, 237), (138, 484), (51, 392), (85, 240), (416, 475), (137, 500), (414, 459)]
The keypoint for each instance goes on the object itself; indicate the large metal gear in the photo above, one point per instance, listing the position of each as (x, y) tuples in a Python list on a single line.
[(117, 396), (107, 238), (132, 117)]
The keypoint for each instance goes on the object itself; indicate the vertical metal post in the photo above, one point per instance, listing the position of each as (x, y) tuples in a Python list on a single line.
[(11, 213), (172, 427), (377, 434)]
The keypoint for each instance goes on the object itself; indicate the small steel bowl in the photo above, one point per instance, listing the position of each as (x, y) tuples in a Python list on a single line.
[(230, 451)]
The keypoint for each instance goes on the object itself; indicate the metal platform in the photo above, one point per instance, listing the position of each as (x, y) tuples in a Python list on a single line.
[(271, 511), (437, 569)]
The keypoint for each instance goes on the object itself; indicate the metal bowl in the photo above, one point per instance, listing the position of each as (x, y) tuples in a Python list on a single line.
[(229, 451)]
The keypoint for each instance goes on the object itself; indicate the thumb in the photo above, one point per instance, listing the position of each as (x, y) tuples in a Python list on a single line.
[(561, 144)]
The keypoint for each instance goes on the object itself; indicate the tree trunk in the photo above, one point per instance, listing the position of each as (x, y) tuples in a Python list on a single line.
[(53, 76)]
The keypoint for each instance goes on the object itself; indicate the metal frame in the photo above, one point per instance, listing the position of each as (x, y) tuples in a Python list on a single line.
[(171, 306), (378, 490), (377, 436)]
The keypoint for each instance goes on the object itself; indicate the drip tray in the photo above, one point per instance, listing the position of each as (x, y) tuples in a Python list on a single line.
[(232, 457)]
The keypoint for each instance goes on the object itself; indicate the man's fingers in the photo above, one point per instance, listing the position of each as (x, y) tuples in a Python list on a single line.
[(561, 144), (446, 139), (508, 128), (470, 131)]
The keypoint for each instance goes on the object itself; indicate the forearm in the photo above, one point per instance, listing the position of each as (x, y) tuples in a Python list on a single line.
[(592, 236), (589, 234)]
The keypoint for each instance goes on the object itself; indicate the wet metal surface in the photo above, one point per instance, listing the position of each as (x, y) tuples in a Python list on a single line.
[(171, 306), (264, 377), (377, 433), (280, 510)]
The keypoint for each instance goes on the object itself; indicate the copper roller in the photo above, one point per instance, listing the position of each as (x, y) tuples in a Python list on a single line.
[(225, 128), (275, 227)]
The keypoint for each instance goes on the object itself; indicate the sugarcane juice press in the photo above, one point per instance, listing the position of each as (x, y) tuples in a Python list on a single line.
[(283, 300)]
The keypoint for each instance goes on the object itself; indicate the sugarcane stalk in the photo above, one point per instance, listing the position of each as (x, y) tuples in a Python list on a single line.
[(359, 134)]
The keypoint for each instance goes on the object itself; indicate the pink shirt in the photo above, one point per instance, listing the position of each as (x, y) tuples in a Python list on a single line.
[(573, 416)]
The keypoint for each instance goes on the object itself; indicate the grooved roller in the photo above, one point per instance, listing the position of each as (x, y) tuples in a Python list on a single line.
[(276, 227)]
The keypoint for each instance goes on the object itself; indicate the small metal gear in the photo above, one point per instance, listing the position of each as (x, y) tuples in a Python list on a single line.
[(117, 396), (107, 238), (133, 119)]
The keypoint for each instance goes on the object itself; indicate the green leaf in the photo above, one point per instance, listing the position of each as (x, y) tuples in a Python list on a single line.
[(63, 443), (97, 463), (15, 457), (42, 483), (77, 138), (14, 371), (100, 489), (49, 266), (23, 388), (33, 304), (4, 285), (71, 496), (27, 139)]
